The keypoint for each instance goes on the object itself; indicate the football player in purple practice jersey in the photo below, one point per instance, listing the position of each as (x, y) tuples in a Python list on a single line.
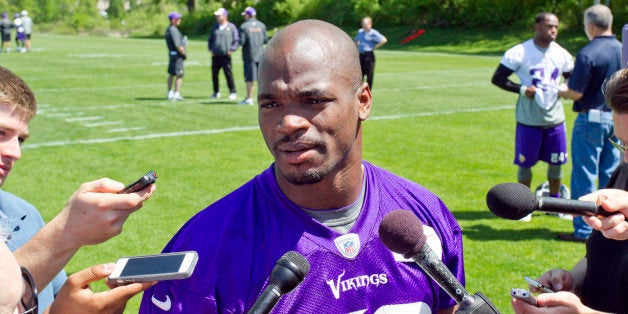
[(318, 198)]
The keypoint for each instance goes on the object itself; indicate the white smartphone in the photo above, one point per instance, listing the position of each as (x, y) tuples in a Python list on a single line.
[(166, 266)]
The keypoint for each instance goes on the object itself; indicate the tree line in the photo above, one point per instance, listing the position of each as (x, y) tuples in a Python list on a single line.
[(148, 17)]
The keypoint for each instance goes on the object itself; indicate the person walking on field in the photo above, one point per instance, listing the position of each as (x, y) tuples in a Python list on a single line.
[(252, 39), (223, 40), (540, 132), (27, 23), (593, 156), (6, 27), (176, 43), (368, 40)]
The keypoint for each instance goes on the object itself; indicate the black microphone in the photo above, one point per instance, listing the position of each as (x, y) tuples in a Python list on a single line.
[(287, 274), (514, 201), (402, 232)]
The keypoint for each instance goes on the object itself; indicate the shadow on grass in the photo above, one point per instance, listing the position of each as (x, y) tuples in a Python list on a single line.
[(474, 215), (486, 232)]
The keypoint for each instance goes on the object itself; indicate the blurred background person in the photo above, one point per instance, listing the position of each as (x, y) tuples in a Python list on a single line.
[(223, 40), (6, 27), (593, 157), (177, 54), (540, 132), (27, 22), (252, 39), (368, 39)]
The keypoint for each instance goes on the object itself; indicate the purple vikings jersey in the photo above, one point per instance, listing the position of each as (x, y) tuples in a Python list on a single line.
[(241, 236)]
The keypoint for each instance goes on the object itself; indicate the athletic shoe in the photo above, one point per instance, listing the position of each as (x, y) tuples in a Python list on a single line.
[(177, 97), (570, 237), (526, 218), (233, 96), (247, 101), (215, 95), (170, 95)]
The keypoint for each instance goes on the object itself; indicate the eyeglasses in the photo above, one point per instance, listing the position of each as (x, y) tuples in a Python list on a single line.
[(29, 302), (617, 143)]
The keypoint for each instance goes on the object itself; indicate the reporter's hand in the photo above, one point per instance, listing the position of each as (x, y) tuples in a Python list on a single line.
[(555, 279), (95, 213), (75, 295), (556, 303), (614, 201)]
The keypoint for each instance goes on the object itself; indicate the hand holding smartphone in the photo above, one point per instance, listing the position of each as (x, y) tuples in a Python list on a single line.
[(148, 179), (523, 295), (165, 266), (538, 285)]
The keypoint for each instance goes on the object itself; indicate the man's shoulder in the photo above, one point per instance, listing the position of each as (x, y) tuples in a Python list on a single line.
[(9, 200)]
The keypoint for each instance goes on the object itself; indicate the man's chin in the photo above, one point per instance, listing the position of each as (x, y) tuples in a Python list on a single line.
[(306, 179)]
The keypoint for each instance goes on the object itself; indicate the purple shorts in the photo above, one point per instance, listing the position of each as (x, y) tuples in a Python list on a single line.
[(548, 144)]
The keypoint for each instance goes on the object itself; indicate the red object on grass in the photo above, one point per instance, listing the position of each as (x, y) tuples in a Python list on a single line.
[(413, 36)]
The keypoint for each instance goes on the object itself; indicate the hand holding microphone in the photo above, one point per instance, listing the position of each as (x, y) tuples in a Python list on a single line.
[(514, 201), (402, 232), (614, 201)]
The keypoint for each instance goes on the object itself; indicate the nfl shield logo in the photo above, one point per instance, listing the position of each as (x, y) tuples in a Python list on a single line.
[(348, 245)]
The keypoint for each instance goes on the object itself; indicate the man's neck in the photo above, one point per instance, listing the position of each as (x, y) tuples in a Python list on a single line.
[(336, 191), (541, 44)]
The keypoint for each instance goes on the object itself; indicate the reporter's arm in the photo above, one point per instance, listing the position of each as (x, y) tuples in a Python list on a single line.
[(76, 297), (562, 280), (93, 214)]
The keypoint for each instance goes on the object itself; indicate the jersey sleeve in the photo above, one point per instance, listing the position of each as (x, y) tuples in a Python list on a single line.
[(513, 57), (568, 63)]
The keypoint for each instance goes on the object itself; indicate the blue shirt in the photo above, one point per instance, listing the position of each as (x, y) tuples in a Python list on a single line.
[(596, 62), (367, 40), (23, 221)]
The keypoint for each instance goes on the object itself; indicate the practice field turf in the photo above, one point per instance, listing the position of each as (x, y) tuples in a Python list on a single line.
[(436, 120)]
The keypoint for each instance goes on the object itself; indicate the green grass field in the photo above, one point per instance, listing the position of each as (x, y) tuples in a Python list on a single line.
[(436, 120)]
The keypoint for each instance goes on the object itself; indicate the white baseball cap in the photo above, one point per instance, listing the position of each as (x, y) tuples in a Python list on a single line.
[(221, 11), (24, 13)]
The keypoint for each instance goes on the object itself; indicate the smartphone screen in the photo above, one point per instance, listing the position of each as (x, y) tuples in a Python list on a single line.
[(165, 266), (152, 265)]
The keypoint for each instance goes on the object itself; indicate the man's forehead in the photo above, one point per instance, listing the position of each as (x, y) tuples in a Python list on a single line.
[(13, 111)]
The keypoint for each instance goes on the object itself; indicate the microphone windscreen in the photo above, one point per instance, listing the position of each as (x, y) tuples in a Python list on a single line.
[(511, 200), (402, 232), (295, 262), (289, 271)]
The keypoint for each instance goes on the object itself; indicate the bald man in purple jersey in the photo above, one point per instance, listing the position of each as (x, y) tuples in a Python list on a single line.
[(318, 198)]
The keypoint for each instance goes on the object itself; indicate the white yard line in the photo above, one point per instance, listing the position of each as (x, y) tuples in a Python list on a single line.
[(243, 128)]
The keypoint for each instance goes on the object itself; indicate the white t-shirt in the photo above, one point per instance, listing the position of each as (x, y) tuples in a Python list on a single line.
[(542, 68)]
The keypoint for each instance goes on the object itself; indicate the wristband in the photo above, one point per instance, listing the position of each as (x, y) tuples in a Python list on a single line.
[(522, 90)]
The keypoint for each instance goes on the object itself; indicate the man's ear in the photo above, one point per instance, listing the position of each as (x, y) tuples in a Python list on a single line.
[(366, 99)]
